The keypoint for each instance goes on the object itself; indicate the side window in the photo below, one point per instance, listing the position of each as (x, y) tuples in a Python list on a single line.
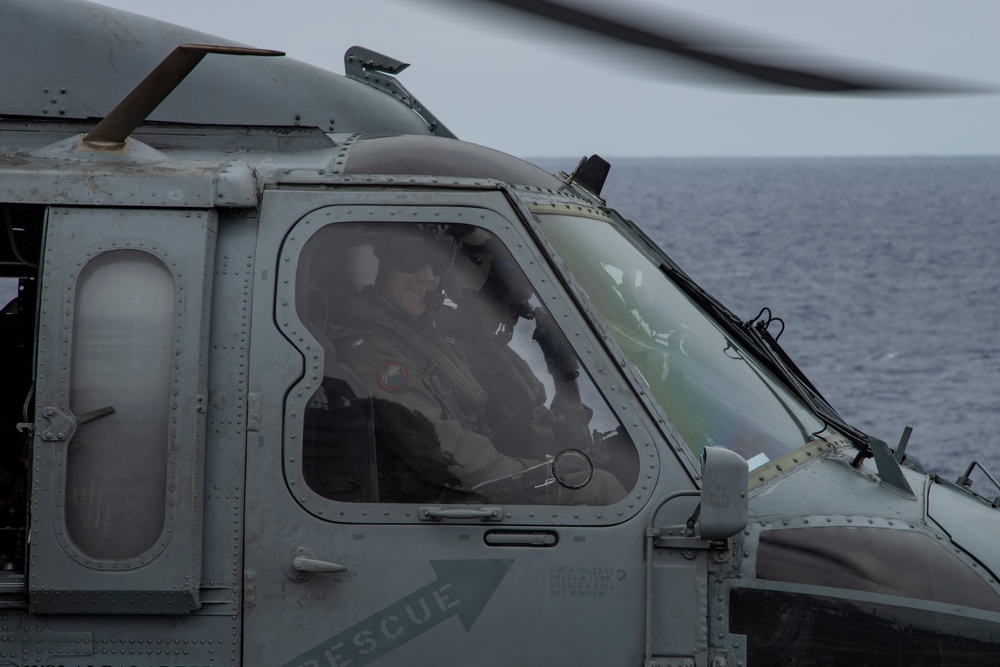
[(123, 321), (445, 380)]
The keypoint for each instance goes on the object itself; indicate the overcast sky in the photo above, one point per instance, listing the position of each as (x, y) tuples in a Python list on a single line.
[(533, 93)]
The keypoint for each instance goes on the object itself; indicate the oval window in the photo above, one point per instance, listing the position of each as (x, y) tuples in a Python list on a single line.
[(116, 464)]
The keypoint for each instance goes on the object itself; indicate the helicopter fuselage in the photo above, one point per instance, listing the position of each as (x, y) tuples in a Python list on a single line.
[(202, 466)]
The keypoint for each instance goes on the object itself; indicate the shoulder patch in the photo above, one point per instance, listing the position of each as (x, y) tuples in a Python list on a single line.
[(392, 376)]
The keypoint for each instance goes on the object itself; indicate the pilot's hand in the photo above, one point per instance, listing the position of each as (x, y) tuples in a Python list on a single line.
[(559, 357)]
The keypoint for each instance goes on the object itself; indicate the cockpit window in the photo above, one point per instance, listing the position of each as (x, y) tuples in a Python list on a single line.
[(906, 563), (848, 598), (798, 628), (445, 379), (714, 391)]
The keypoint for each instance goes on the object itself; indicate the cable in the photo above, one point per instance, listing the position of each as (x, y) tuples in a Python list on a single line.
[(13, 242)]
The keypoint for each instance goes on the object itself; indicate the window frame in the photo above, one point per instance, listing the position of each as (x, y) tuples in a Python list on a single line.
[(492, 212)]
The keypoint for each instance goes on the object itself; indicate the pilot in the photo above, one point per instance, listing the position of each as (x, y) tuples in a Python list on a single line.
[(389, 337), (482, 326)]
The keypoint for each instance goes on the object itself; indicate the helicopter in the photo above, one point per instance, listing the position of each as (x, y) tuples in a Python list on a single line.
[(211, 474)]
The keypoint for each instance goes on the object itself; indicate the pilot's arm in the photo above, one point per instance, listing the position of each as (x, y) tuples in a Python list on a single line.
[(571, 415)]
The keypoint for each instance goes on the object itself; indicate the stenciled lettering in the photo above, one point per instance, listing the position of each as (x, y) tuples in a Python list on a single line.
[(335, 659), (460, 586), (363, 640), (413, 617), (442, 598), (388, 634)]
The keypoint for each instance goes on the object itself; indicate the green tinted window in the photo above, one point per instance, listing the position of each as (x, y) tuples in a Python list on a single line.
[(715, 393)]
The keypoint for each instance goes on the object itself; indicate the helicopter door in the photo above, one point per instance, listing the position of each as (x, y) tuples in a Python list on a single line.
[(119, 430), (435, 472)]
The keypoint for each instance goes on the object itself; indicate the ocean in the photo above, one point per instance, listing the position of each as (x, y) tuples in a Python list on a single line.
[(885, 271)]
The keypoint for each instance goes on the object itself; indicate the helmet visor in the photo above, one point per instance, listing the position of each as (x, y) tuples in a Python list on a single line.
[(409, 254)]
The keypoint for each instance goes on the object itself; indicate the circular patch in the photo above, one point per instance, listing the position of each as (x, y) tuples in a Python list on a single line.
[(392, 376)]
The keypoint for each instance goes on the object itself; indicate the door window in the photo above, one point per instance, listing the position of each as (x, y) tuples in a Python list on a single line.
[(123, 321), (438, 376)]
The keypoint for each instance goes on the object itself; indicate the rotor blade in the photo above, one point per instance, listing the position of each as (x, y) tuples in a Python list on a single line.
[(676, 42)]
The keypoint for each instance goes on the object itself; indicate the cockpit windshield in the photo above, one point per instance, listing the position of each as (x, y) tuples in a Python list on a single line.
[(714, 391)]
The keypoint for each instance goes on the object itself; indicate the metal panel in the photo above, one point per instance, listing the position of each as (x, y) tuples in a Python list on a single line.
[(165, 577), (405, 578), (222, 90)]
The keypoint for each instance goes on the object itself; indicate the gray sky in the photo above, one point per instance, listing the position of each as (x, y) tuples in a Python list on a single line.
[(505, 85)]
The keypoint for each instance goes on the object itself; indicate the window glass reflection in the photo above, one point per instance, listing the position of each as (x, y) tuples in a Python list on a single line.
[(715, 393), (446, 380), (906, 563), (795, 629), (116, 464)]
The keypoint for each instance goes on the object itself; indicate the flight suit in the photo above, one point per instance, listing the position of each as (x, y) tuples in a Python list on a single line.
[(410, 364), (516, 416)]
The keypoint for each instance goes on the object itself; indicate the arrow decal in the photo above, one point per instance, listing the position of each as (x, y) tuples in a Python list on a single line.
[(462, 588)]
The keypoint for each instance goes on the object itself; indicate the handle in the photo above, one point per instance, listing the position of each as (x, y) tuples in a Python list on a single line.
[(301, 564), (483, 513)]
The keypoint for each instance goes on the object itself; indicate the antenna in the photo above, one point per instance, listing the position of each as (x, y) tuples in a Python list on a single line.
[(591, 173), (111, 133)]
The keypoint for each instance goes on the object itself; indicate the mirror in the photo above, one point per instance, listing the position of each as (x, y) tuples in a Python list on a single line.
[(572, 469), (724, 502)]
